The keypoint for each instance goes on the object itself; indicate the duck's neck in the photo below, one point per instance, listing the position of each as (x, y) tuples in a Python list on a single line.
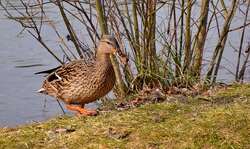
[(103, 60), (103, 64), (102, 57)]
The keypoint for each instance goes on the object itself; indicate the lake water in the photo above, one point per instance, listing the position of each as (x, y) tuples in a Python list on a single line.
[(21, 56), (19, 102)]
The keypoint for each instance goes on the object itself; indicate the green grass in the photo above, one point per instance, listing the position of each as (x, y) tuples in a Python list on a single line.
[(221, 122)]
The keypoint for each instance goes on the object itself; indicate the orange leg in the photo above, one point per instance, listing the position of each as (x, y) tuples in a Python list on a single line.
[(81, 110)]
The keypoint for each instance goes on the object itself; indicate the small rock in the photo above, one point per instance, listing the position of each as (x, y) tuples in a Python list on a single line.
[(51, 134), (157, 118), (117, 134), (61, 130)]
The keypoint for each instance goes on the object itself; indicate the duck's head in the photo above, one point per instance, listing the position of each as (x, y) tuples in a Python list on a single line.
[(109, 45)]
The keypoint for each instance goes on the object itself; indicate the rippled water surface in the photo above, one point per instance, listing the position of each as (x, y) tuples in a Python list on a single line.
[(20, 57)]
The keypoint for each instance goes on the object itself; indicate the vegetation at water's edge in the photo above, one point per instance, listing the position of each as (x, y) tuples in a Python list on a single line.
[(218, 121)]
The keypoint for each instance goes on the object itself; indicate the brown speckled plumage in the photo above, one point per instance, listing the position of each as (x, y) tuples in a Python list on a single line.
[(79, 83)]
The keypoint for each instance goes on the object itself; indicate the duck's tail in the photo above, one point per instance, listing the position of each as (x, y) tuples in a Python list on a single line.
[(48, 71)]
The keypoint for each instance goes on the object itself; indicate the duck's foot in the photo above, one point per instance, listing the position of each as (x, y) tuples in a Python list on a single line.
[(81, 111)]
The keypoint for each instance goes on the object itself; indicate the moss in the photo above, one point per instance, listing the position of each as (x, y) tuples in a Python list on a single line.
[(193, 124)]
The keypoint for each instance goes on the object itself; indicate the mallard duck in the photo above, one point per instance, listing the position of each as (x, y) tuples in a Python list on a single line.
[(78, 83)]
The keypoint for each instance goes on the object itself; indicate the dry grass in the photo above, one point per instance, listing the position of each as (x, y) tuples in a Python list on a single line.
[(193, 124)]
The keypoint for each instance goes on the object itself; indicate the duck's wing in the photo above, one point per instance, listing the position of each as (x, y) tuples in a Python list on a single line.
[(63, 77), (70, 71)]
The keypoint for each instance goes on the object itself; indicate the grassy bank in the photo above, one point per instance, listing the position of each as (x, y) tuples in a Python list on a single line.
[(218, 121)]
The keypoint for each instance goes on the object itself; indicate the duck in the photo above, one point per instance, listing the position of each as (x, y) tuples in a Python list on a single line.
[(77, 83)]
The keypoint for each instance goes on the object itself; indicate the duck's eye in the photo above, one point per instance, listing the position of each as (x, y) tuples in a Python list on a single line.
[(109, 43)]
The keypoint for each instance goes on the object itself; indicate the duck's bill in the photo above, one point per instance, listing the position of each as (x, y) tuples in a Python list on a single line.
[(114, 50)]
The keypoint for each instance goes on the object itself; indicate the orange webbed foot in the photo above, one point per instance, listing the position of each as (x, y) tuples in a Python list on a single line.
[(86, 112), (81, 111)]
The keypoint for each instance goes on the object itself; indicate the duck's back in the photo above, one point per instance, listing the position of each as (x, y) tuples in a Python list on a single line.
[(79, 83)]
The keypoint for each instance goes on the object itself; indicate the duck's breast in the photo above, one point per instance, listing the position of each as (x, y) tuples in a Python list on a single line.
[(97, 85)]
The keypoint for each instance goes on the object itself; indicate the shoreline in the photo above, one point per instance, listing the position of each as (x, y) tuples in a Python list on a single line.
[(220, 121)]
